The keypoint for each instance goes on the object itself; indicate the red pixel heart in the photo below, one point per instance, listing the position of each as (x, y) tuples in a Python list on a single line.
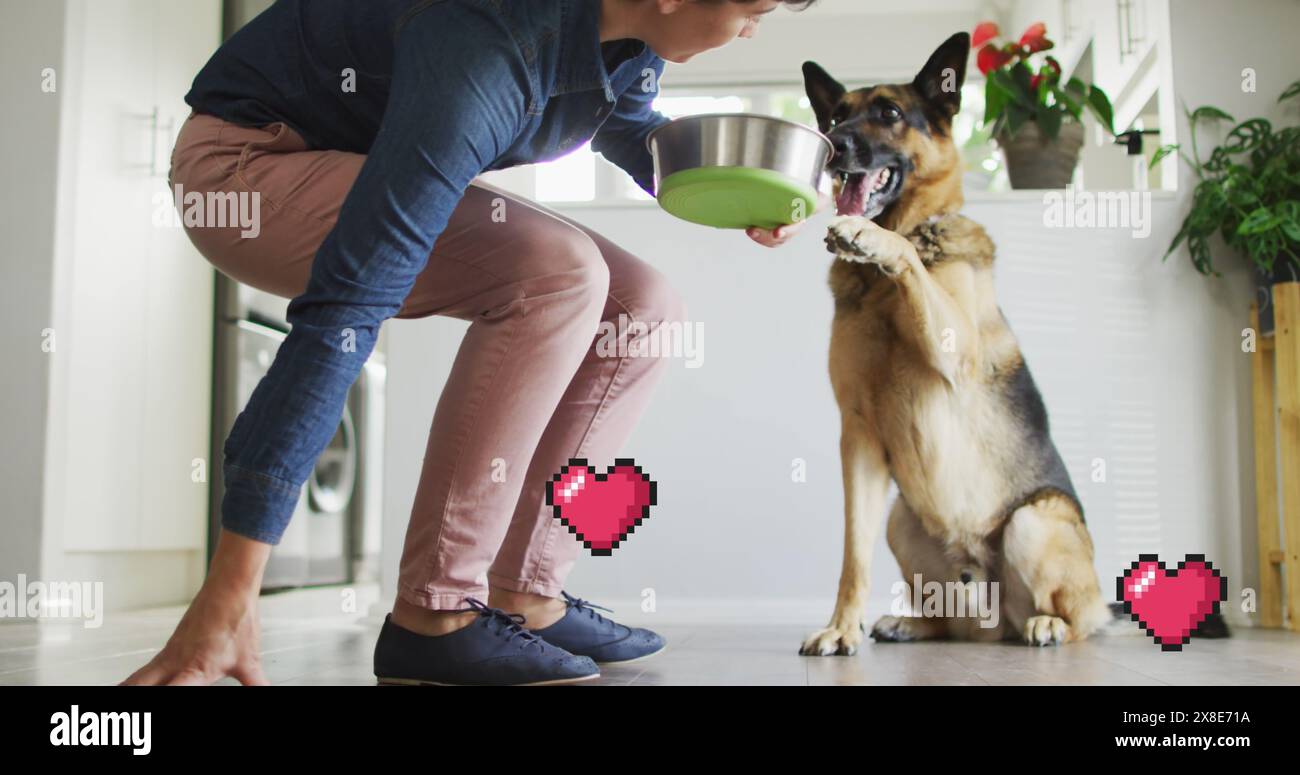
[(601, 509), (1171, 604)]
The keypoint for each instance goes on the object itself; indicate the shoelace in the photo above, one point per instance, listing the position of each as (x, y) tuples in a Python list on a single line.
[(511, 625), (584, 606)]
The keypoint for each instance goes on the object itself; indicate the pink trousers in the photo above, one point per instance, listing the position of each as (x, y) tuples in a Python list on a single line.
[(528, 391)]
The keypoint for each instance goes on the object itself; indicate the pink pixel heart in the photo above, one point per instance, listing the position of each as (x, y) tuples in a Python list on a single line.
[(1171, 604), (601, 509)]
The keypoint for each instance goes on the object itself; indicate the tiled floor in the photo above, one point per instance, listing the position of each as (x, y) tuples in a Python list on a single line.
[(307, 639)]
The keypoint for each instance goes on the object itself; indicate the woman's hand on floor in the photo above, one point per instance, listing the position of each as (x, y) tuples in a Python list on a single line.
[(217, 637)]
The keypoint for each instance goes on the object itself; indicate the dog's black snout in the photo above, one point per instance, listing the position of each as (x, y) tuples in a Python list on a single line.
[(843, 145), (851, 151), (966, 577)]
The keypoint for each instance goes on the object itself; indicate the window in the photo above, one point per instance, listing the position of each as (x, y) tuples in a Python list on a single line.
[(571, 178), (676, 107)]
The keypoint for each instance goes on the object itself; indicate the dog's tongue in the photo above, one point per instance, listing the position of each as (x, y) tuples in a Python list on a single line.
[(855, 192)]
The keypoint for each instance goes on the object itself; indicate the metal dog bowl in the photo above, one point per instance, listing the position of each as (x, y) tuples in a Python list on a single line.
[(736, 170)]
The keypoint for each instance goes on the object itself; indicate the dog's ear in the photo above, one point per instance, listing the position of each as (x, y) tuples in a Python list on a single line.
[(941, 79), (824, 92)]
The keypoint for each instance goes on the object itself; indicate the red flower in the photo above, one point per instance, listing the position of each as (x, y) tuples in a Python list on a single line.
[(1035, 33), (1039, 44), (984, 33), (1035, 38), (991, 58)]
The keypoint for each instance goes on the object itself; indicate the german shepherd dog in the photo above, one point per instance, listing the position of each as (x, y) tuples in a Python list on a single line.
[(932, 388)]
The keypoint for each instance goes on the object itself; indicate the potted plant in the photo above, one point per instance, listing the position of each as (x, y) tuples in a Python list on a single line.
[(1248, 192), (1035, 119)]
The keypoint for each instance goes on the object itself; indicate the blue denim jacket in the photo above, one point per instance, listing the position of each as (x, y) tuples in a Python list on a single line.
[(444, 90)]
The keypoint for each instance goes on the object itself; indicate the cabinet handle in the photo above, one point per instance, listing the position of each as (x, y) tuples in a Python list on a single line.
[(1121, 8), (155, 126), (1129, 37), (1067, 17)]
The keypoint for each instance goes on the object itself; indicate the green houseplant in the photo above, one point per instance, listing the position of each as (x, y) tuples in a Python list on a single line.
[(1248, 192), (1035, 118)]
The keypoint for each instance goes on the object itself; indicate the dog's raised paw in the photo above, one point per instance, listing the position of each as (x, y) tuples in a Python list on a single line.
[(849, 237), (861, 240), (832, 641), (892, 629), (1045, 631)]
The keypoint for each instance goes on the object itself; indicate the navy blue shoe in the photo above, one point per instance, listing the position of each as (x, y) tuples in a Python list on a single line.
[(493, 651), (586, 633)]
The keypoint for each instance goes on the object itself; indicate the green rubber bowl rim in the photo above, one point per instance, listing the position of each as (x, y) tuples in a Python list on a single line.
[(736, 197)]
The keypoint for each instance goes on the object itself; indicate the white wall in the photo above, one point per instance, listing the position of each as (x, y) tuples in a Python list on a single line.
[(31, 38)]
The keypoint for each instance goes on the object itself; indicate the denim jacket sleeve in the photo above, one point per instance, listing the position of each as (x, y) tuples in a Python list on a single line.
[(457, 103), (621, 139)]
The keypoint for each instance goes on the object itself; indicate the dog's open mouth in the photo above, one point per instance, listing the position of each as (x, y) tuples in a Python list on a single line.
[(867, 193)]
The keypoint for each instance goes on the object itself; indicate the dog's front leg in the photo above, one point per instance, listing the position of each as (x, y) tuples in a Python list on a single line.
[(936, 323), (866, 482)]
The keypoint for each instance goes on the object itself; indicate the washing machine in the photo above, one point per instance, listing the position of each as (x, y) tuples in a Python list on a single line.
[(334, 534)]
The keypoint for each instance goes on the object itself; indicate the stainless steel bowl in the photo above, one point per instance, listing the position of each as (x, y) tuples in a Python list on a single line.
[(741, 140)]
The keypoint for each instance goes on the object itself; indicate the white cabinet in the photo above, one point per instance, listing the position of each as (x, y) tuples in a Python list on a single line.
[(135, 332), (1124, 39), (177, 304)]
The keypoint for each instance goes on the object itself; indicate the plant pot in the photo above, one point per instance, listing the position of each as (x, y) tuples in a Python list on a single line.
[(1284, 271), (1035, 161)]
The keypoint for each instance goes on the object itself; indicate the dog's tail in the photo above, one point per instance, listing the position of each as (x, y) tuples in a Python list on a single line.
[(1214, 625)]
